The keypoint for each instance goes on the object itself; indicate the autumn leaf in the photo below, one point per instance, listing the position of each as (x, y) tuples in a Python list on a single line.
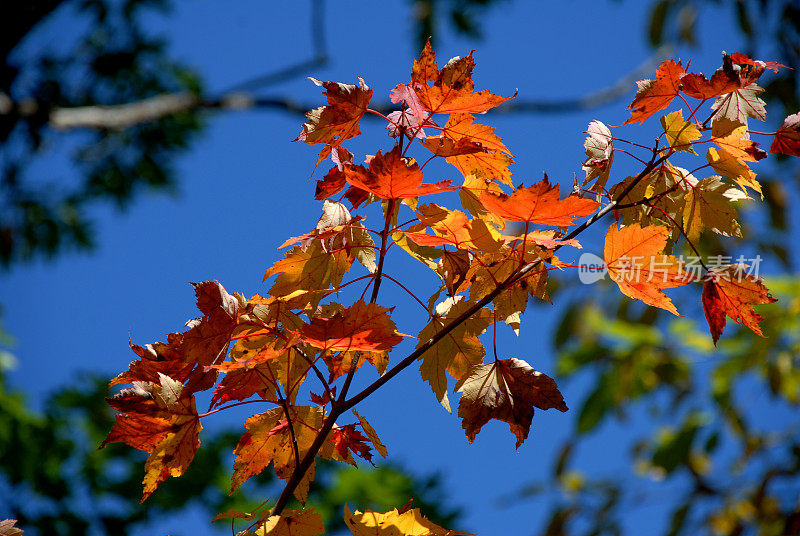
[(469, 194), (507, 390), (731, 291), (207, 340), (680, 134), (726, 164), (452, 90), (709, 205), (393, 523), (457, 351), (787, 138), (738, 144), (452, 227), (600, 152), (698, 86), (347, 439), (292, 523), (338, 230), (655, 95), (492, 268), (338, 121), (635, 261), (362, 326), (739, 105), (262, 361), (371, 434), (313, 269), (8, 528), (539, 203), (155, 359), (161, 419), (269, 439), (492, 158), (389, 176)]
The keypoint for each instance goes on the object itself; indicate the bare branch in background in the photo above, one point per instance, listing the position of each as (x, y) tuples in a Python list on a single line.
[(122, 116)]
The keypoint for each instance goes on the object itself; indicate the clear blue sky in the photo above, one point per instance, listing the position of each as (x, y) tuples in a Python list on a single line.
[(244, 188)]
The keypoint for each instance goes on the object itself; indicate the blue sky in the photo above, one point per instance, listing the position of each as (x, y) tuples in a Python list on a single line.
[(244, 189)]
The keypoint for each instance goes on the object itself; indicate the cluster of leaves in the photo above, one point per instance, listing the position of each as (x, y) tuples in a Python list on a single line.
[(263, 349)]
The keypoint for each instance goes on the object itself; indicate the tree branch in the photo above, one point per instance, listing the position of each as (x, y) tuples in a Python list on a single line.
[(343, 405), (121, 116)]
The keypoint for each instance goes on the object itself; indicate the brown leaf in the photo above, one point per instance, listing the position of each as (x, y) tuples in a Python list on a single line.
[(507, 390), (338, 121)]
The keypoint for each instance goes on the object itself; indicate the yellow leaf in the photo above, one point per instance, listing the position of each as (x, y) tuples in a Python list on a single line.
[(292, 523), (393, 523), (680, 134)]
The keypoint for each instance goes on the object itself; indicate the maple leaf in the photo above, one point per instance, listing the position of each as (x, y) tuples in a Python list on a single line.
[(539, 203), (161, 419), (484, 275), (268, 439), (787, 138), (408, 123), (470, 193), (635, 261), (709, 206), (271, 367), (338, 230), (292, 523), (333, 181), (726, 164), (655, 95), (313, 269), (738, 144), (738, 105), (474, 148), (7, 528), (347, 439), (731, 291), (680, 134), (410, 522), (600, 152), (507, 390), (362, 326), (454, 228), (154, 359), (452, 90), (371, 434), (453, 268), (389, 176), (698, 86), (338, 121), (207, 340), (457, 351)]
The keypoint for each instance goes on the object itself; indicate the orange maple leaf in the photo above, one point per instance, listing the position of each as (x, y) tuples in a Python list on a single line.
[(338, 121), (655, 95), (538, 203), (452, 90), (390, 176), (507, 390), (635, 261), (361, 327), (161, 419), (492, 158), (730, 291)]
